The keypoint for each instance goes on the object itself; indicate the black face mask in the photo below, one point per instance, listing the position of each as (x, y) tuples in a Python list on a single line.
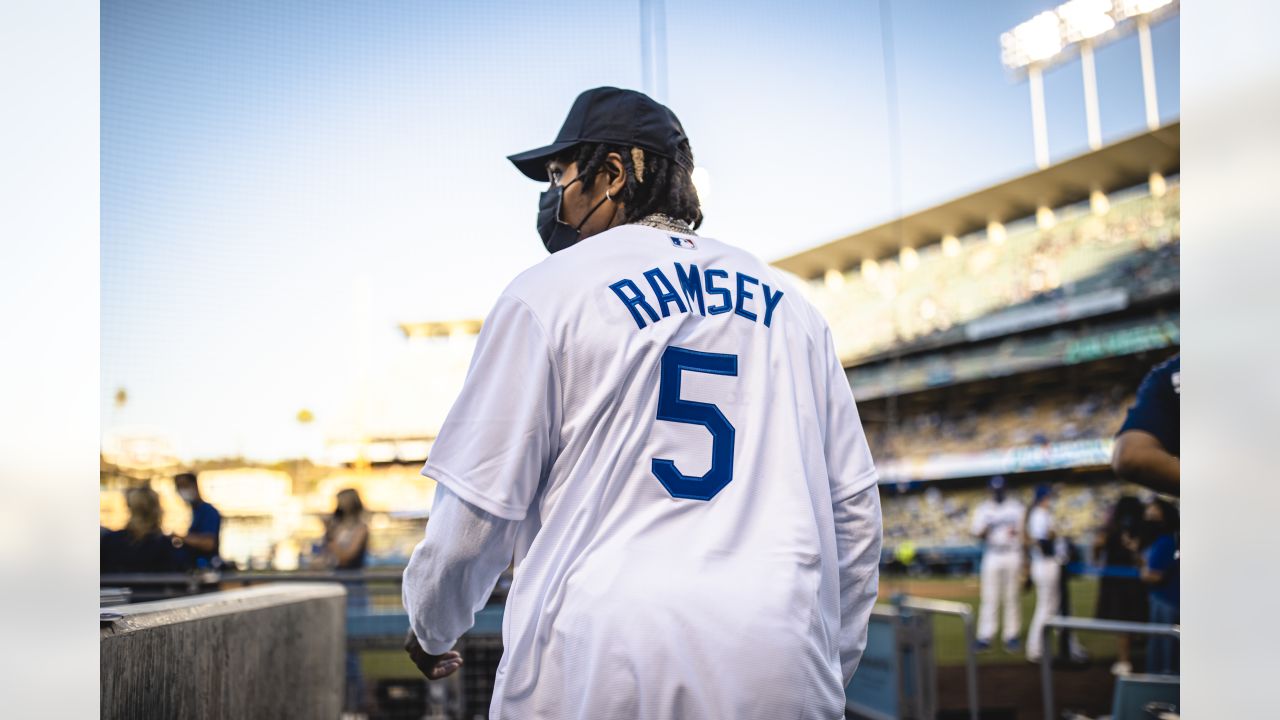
[(556, 234)]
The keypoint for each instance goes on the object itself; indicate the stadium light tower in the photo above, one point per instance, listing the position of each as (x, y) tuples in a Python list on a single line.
[(1082, 21), (1079, 26), (1028, 46)]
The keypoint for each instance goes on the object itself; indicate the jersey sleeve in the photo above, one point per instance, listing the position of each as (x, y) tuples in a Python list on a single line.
[(501, 435), (849, 464), (1156, 408)]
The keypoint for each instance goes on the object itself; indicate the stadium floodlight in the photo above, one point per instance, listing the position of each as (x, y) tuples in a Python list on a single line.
[(1032, 42), (1126, 9), (950, 245), (1099, 203), (909, 259), (1080, 25), (996, 232), (1085, 19), (928, 309), (870, 270), (1045, 219), (834, 279), (1156, 184)]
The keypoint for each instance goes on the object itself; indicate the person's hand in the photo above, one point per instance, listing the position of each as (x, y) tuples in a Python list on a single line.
[(433, 667)]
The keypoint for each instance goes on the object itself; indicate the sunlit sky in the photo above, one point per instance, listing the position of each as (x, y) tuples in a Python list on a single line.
[(283, 183)]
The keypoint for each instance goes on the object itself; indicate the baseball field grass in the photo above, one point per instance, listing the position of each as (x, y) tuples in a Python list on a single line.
[(948, 633)]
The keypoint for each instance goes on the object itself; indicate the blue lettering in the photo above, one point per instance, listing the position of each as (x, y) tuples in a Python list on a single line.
[(770, 302), (727, 301), (636, 300), (666, 293), (743, 296), (691, 284)]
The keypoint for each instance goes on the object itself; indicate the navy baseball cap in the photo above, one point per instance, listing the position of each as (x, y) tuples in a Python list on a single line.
[(997, 482), (615, 116)]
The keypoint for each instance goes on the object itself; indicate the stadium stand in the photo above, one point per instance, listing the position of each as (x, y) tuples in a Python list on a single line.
[(1133, 245), (1003, 420), (1005, 332), (938, 519)]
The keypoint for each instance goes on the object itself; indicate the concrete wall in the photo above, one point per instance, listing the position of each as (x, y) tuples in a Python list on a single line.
[(272, 651)]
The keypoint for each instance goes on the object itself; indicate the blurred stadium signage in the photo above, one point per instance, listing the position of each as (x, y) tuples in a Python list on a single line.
[(1027, 317), (1026, 458), (1014, 355)]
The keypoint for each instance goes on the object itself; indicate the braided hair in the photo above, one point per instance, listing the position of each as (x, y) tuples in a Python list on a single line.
[(654, 183)]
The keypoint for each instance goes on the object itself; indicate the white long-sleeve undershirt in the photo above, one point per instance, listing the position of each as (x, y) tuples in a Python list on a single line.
[(858, 539), (453, 570)]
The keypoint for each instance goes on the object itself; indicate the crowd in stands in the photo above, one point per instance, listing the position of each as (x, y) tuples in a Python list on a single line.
[(937, 519), (1133, 244), (1001, 422)]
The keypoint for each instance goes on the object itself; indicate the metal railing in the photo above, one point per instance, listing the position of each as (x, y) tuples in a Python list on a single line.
[(963, 611), (1089, 625)]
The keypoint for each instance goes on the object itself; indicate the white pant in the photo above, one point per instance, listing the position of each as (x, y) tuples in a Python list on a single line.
[(1045, 573), (999, 582)]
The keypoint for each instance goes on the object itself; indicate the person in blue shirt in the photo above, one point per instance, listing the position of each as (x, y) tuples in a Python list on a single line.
[(200, 545), (1147, 446), (1160, 563)]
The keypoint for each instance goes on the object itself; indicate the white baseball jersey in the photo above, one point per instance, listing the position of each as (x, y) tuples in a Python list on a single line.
[(668, 422), (1039, 527), (1004, 520)]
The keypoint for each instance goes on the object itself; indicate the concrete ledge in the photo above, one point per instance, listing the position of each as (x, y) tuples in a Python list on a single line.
[(272, 651)]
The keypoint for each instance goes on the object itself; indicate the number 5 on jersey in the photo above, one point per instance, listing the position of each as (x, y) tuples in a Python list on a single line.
[(675, 360)]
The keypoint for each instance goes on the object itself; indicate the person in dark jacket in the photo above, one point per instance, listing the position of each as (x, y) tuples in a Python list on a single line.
[(140, 547), (1121, 595)]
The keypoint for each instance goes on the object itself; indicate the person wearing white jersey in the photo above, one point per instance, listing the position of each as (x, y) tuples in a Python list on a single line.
[(1048, 553), (656, 427), (997, 521), (1044, 567)]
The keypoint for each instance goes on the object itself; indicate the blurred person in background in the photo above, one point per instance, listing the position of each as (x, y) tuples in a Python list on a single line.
[(1048, 553), (346, 543), (997, 522), (1160, 573), (1121, 595), (346, 534), (140, 547), (200, 545), (1147, 446)]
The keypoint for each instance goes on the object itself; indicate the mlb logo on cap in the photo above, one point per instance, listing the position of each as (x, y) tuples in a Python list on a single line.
[(679, 242)]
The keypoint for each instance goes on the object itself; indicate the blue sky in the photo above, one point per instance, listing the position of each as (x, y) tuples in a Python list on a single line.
[(282, 183)]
